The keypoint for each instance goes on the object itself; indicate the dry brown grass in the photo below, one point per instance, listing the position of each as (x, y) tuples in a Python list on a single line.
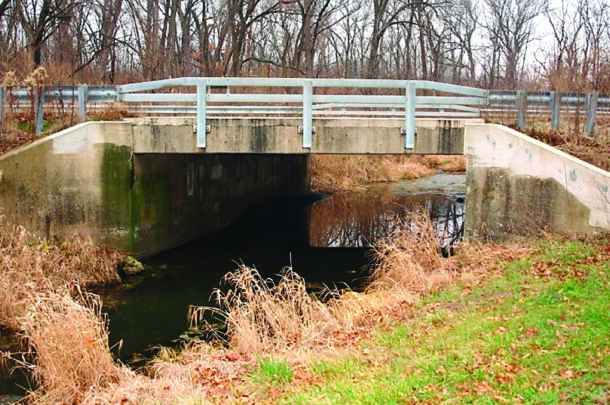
[(262, 316), (280, 319), (113, 112), (446, 163), (68, 335), (30, 266), (62, 327), (411, 258), (330, 173)]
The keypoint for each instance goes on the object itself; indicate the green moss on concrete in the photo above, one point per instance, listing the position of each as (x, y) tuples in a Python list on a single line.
[(116, 178)]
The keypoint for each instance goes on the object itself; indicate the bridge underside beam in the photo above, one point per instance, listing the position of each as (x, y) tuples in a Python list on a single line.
[(280, 135)]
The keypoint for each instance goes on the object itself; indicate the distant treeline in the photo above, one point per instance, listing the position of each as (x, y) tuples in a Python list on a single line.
[(477, 42)]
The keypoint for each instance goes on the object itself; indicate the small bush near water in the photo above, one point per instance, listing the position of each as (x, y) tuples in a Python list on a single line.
[(262, 316), (69, 337)]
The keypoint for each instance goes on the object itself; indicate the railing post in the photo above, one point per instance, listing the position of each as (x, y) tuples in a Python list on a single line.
[(521, 109), (202, 90), (2, 98), (39, 109), (555, 101), (591, 105), (410, 116), (83, 94), (307, 113)]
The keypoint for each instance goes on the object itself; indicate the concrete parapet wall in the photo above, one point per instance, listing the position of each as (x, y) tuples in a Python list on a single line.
[(280, 135), (517, 185), (87, 179)]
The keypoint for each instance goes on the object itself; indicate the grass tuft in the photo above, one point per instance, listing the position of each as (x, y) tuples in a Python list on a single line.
[(68, 334), (29, 266), (272, 371), (263, 316)]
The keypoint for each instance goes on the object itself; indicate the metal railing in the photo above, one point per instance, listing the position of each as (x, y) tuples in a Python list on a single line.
[(308, 99), (522, 103), (270, 97)]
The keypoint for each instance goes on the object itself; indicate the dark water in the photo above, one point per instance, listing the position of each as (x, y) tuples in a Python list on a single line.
[(325, 240)]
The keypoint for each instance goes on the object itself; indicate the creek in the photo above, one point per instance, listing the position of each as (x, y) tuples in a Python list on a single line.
[(326, 240)]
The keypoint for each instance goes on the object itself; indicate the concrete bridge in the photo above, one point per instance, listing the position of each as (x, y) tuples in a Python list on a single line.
[(148, 184)]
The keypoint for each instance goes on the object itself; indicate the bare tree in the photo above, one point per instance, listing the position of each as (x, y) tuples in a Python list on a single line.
[(316, 17), (4, 6), (40, 19), (510, 29), (346, 37), (243, 14), (564, 65), (461, 19), (595, 15)]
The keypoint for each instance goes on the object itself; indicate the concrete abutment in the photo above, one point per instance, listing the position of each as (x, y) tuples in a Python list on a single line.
[(145, 187), (89, 180), (517, 185)]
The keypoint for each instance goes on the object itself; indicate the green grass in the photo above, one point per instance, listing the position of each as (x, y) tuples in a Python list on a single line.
[(30, 127), (272, 372), (540, 333)]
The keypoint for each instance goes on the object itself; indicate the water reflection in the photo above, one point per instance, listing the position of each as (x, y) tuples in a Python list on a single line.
[(360, 219), (286, 233)]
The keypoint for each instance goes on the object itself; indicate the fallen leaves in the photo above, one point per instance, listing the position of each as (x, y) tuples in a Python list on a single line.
[(531, 332)]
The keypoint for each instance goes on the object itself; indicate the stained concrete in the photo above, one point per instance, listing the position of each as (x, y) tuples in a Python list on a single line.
[(144, 186), (517, 185), (176, 198), (89, 180), (280, 135)]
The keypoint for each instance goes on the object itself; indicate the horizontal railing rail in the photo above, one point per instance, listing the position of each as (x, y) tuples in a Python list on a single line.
[(307, 99)]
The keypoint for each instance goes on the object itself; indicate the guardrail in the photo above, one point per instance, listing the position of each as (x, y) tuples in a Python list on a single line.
[(306, 99), (523, 103), (263, 97)]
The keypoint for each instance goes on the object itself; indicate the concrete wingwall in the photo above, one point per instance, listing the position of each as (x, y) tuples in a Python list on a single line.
[(87, 179), (517, 185)]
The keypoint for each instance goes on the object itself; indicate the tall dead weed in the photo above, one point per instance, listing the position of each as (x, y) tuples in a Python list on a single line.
[(29, 266)]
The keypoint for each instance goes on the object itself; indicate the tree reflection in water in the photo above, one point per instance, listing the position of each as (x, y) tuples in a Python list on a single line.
[(359, 219)]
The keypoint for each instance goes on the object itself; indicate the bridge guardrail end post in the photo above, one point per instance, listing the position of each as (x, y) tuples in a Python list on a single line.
[(555, 101), (591, 106), (83, 91), (521, 109)]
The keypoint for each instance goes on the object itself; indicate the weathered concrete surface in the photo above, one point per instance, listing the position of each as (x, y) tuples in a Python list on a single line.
[(55, 184), (88, 179), (280, 135), (517, 185), (177, 198)]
